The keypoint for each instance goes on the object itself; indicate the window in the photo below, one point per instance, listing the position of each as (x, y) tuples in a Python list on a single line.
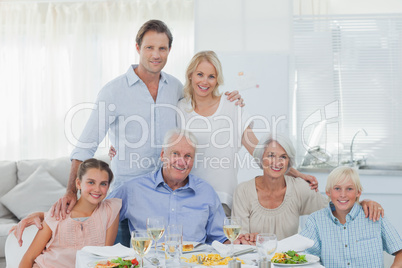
[(348, 77), (56, 55)]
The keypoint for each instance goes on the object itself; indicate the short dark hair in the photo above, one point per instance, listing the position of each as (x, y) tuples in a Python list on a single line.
[(153, 25), (94, 163)]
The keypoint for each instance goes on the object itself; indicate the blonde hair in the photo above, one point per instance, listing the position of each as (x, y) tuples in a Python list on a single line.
[(210, 57), (342, 174)]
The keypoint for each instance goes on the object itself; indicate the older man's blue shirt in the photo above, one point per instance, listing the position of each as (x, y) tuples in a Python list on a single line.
[(196, 206), (359, 242)]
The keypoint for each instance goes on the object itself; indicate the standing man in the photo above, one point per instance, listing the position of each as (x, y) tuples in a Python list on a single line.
[(136, 109)]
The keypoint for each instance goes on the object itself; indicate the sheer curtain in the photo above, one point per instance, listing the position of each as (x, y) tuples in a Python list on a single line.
[(55, 56)]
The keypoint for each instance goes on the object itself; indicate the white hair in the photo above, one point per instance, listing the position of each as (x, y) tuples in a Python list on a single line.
[(282, 140), (173, 136)]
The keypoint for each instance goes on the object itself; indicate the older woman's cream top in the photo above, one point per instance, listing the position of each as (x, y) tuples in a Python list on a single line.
[(283, 220)]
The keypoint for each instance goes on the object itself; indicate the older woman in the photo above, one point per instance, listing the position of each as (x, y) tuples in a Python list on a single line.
[(273, 202)]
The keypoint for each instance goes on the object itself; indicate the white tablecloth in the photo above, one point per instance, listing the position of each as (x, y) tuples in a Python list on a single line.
[(86, 260)]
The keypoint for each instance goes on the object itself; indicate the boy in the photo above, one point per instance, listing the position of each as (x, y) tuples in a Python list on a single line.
[(342, 236)]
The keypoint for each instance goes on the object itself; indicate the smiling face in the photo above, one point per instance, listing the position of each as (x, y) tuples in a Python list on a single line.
[(177, 161), (94, 185), (204, 79), (275, 160), (343, 195), (154, 52)]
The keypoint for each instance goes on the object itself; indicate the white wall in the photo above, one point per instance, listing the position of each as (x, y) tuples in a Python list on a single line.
[(325, 7), (253, 40)]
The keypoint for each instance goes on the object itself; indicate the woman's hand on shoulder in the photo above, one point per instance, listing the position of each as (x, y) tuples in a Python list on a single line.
[(234, 95), (372, 209)]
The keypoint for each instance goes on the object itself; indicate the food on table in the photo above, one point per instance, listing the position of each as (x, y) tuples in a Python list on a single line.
[(118, 262), (106, 264), (289, 257), (210, 259), (188, 247)]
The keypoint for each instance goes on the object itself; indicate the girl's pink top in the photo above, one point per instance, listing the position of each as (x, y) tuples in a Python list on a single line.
[(70, 235)]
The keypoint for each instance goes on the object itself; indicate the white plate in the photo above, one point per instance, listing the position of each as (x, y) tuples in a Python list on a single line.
[(310, 260)]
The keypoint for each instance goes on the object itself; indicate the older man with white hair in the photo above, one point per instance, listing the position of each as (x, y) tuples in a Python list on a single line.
[(172, 192)]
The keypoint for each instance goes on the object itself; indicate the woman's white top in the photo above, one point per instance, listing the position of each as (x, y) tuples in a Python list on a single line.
[(219, 141)]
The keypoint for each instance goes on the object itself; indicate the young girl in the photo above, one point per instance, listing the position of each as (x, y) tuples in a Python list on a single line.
[(90, 223), (342, 235)]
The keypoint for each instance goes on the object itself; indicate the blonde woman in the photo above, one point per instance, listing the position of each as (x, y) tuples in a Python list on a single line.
[(221, 127)]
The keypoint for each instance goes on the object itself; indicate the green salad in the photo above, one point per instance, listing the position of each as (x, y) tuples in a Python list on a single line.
[(122, 263), (125, 263), (289, 257)]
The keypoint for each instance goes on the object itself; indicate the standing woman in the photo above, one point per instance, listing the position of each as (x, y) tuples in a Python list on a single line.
[(221, 127)]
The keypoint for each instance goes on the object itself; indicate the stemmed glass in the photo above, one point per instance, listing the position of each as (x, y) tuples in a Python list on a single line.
[(156, 229), (266, 245), (141, 243), (231, 228)]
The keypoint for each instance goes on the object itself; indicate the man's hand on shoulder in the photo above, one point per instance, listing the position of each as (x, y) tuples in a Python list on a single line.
[(34, 218), (234, 95), (64, 205)]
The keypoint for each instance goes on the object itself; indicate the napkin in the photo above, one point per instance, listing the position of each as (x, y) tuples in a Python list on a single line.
[(222, 249), (295, 242), (110, 251)]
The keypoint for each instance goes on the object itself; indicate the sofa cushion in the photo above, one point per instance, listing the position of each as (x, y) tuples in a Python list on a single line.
[(59, 168), (8, 180), (38, 193), (5, 225)]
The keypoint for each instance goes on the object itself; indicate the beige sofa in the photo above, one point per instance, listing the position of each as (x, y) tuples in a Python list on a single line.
[(28, 186)]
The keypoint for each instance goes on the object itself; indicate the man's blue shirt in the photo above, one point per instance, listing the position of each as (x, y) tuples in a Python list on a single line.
[(359, 242), (135, 122), (196, 206)]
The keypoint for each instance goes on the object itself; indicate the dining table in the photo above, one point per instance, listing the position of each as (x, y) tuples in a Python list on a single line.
[(87, 258)]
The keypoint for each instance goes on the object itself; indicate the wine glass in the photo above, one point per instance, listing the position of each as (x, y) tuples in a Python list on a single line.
[(231, 228), (156, 229), (266, 245), (141, 243)]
